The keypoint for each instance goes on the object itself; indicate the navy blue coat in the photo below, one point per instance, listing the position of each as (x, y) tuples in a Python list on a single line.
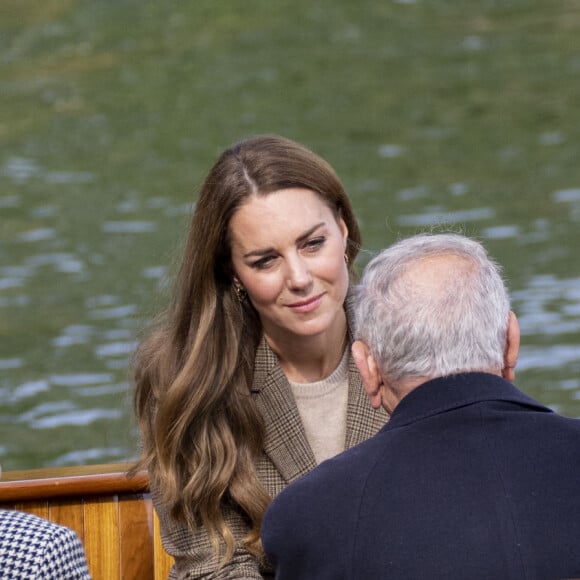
[(469, 479)]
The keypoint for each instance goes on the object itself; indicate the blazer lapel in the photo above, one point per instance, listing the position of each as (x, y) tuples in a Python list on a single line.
[(285, 439)]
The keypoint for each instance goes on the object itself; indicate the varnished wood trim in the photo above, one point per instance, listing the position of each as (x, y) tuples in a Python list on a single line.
[(19, 486), (102, 542), (112, 515)]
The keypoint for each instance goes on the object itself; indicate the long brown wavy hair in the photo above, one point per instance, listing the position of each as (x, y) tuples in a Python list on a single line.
[(201, 433)]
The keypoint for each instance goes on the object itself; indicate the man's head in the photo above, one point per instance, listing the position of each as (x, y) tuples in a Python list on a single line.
[(431, 306)]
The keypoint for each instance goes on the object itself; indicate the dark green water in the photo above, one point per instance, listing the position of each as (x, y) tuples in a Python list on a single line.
[(447, 113)]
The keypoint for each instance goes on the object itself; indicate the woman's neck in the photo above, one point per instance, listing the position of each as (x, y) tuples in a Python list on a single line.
[(307, 359)]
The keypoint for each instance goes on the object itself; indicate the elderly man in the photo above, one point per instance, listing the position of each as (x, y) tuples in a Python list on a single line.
[(470, 478)]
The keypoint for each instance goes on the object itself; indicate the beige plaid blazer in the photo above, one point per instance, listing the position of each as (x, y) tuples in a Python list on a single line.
[(287, 456)]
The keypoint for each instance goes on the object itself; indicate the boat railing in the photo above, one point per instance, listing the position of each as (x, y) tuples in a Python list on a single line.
[(111, 513)]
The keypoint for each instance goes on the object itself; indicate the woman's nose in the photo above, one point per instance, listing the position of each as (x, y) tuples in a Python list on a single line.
[(298, 276)]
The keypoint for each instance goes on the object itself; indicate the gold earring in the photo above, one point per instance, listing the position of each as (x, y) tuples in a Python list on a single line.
[(240, 293), (346, 258)]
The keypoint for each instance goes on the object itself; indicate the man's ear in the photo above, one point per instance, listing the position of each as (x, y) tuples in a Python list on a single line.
[(369, 372), (512, 347)]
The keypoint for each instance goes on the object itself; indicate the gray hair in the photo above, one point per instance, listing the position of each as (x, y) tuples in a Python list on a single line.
[(416, 327)]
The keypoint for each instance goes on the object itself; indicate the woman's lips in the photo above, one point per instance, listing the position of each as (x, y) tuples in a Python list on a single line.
[(307, 305)]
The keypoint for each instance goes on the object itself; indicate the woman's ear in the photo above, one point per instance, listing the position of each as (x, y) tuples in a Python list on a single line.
[(343, 229)]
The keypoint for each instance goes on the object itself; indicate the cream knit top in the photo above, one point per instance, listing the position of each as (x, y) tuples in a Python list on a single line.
[(322, 406)]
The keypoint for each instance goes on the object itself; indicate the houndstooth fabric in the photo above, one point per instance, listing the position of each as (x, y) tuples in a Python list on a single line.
[(32, 548)]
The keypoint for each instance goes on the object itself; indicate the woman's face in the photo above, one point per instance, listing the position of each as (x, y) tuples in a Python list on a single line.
[(288, 253)]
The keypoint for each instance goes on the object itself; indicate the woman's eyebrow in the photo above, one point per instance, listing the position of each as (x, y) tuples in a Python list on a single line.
[(300, 238), (308, 233)]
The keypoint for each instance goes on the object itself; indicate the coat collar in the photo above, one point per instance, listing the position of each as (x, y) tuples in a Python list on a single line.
[(446, 393)]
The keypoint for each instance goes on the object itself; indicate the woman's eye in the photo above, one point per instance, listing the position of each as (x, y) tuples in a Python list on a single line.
[(315, 243), (263, 263)]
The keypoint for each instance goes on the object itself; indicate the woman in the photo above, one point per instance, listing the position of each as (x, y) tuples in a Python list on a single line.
[(247, 382)]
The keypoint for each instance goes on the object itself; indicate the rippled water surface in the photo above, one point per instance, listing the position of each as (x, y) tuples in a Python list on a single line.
[(437, 115)]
